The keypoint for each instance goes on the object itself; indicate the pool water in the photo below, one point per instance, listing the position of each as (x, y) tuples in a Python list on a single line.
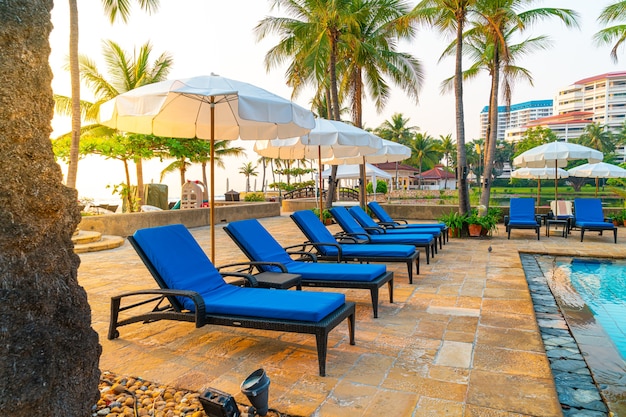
[(591, 297), (602, 286)]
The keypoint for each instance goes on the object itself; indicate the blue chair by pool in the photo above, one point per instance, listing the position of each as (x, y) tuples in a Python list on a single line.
[(191, 289), (370, 225), (522, 216), (384, 219), (588, 215), (352, 228), (260, 246), (330, 248)]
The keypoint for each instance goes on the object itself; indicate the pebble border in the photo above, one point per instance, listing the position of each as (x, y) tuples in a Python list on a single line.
[(578, 393)]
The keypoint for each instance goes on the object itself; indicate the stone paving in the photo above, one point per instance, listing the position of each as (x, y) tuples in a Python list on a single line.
[(462, 340)]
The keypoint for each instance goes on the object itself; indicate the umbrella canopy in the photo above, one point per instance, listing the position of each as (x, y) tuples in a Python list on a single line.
[(206, 107), (539, 174), (598, 170), (554, 155), (328, 139), (389, 152), (544, 173), (353, 172)]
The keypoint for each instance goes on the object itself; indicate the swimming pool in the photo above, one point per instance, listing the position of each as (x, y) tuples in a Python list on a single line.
[(590, 295), (602, 286)]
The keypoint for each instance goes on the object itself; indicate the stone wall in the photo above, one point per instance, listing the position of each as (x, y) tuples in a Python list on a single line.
[(125, 224)]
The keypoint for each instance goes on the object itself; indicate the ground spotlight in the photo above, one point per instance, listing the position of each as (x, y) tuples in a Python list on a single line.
[(256, 387), (218, 404)]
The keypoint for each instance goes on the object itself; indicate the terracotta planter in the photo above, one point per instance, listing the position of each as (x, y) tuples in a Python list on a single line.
[(453, 232), (474, 229)]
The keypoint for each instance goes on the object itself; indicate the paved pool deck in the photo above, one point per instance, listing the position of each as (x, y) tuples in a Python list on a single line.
[(462, 340)]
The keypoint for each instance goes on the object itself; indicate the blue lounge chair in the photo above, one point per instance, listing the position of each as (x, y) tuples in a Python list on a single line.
[(259, 246), (191, 289), (588, 215), (329, 248), (370, 225), (384, 219), (352, 228), (522, 216)]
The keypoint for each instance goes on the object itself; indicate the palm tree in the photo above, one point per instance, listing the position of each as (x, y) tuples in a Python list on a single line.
[(495, 24), (451, 16), (248, 170), (311, 41), (397, 129), (48, 345), (222, 148), (424, 149), (612, 13), (124, 74), (114, 9), (447, 146), (368, 52), (598, 137)]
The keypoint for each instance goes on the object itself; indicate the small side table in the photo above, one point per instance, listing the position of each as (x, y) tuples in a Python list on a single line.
[(563, 223), (279, 280)]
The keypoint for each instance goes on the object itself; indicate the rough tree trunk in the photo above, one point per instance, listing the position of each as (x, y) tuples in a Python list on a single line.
[(49, 351)]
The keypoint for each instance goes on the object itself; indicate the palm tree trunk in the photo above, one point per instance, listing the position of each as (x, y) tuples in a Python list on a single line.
[(462, 169), (72, 168), (332, 187), (490, 145), (49, 351), (139, 172), (205, 192)]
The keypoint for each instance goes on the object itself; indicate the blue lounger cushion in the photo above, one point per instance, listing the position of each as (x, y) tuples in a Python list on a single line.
[(350, 225), (384, 217), (183, 265), (261, 246), (366, 221), (589, 213), (317, 232), (522, 212)]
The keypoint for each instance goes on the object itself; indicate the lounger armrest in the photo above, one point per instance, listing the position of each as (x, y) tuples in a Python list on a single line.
[(392, 226), (304, 256), (333, 244), (248, 279), (159, 310), (398, 221), (375, 230), (358, 237), (506, 220), (251, 265)]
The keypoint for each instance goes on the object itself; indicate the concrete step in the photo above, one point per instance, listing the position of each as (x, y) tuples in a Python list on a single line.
[(82, 236), (106, 242)]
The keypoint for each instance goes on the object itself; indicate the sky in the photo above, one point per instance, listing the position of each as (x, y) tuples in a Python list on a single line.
[(210, 36)]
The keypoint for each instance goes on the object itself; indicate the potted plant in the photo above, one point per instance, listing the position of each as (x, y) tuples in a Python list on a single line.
[(454, 221), (474, 224), (327, 218)]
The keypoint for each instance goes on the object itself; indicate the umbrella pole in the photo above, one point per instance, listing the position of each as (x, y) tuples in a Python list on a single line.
[(319, 188), (538, 192), (596, 187), (212, 203), (556, 189)]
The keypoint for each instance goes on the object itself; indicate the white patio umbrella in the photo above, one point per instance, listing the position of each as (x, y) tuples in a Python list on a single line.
[(389, 152), (598, 170), (328, 139), (539, 174), (206, 107), (556, 155)]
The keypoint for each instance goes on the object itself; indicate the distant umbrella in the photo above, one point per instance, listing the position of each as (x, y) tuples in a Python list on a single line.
[(598, 170), (539, 174), (556, 155)]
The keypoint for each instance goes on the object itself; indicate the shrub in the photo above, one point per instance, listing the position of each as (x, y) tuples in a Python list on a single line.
[(254, 197), (381, 187)]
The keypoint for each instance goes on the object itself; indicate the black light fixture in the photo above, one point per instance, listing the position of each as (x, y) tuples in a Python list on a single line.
[(219, 404), (256, 387)]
